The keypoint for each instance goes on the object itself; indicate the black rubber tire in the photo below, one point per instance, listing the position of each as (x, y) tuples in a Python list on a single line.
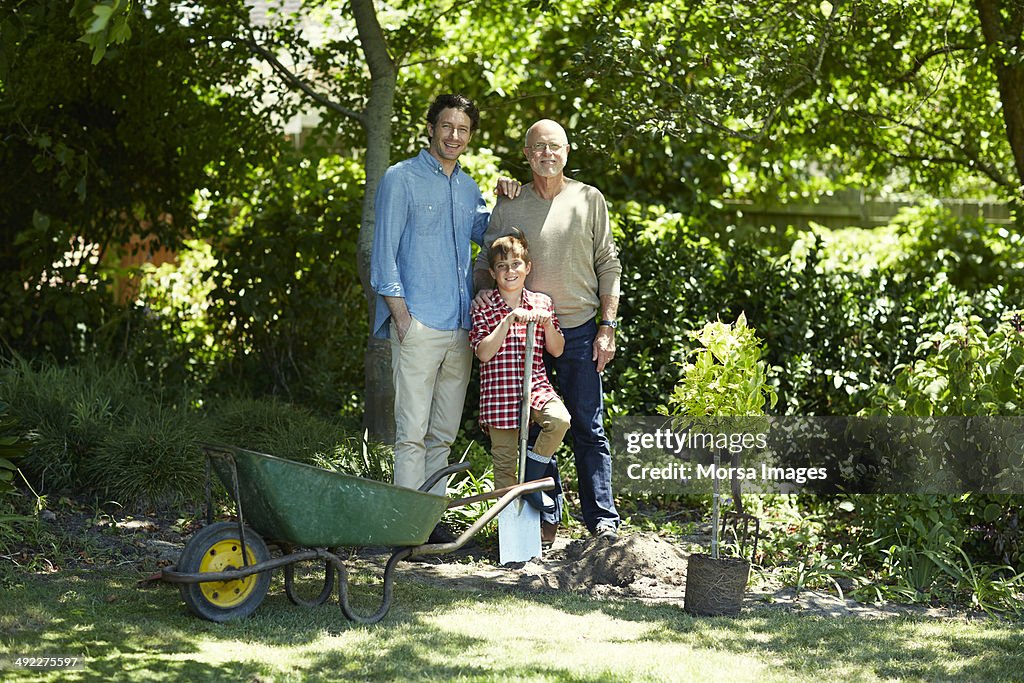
[(217, 548)]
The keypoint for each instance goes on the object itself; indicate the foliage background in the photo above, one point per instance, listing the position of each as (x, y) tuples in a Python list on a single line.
[(163, 132)]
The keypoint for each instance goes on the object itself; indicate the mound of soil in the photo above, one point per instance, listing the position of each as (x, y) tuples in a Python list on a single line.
[(637, 565)]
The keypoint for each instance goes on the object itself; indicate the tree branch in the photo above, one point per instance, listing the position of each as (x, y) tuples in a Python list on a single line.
[(456, 4), (295, 81), (969, 158), (921, 60)]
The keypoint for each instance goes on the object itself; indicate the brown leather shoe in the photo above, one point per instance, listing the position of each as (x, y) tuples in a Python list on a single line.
[(548, 531)]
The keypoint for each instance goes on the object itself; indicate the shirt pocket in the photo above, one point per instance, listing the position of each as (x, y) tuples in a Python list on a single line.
[(426, 216)]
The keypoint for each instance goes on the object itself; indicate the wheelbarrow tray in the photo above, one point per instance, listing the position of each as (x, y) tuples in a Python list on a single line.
[(309, 506)]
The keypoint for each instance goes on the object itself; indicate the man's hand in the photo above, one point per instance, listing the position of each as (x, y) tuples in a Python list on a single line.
[(604, 346), (507, 187), (483, 298), (402, 325), (400, 316)]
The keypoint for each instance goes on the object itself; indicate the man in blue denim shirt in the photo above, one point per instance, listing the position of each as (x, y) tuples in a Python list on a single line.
[(427, 212)]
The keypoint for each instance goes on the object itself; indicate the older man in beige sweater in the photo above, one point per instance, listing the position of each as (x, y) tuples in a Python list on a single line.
[(575, 262)]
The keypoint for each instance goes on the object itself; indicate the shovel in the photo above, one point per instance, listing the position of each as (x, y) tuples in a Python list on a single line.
[(519, 523)]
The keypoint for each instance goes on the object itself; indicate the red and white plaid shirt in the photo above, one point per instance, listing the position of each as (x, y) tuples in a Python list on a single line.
[(501, 378)]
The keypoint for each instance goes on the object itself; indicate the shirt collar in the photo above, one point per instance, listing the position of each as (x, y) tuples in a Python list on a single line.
[(426, 158), (498, 301)]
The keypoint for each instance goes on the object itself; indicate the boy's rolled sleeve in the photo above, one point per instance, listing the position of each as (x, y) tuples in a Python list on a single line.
[(479, 329)]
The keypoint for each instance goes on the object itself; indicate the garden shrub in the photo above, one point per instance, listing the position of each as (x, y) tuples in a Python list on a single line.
[(13, 447), (99, 431), (968, 370), (960, 548), (67, 412), (62, 311), (965, 370), (834, 328), (169, 337), (150, 459), (972, 254), (287, 306), (294, 432)]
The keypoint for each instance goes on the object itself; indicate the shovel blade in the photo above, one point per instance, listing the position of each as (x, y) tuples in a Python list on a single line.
[(518, 533)]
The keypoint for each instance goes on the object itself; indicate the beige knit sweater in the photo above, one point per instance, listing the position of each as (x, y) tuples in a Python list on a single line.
[(574, 258)]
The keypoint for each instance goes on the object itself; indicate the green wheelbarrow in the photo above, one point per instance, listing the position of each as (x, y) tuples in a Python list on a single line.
[(307, 513)]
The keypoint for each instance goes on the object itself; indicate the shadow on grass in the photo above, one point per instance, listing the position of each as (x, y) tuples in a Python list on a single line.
[(900, 648), (130, 633)]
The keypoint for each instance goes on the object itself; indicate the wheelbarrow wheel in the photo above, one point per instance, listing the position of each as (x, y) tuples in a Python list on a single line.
[(217, 548)]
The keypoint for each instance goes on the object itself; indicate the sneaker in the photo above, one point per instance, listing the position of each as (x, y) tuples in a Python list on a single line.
[(548, 531), (606, 530), (442, 533)]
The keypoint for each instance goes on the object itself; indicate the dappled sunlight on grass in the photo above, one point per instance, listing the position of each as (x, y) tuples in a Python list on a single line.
[(145, 634)]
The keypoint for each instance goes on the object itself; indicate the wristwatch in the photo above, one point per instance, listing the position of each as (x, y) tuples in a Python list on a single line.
[(610, 323)]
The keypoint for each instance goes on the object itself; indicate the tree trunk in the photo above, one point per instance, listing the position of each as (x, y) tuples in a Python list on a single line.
[(379, 392), (1002, 29)]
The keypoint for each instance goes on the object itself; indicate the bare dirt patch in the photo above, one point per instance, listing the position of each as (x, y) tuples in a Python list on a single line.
[(641, 567), (638, 566)]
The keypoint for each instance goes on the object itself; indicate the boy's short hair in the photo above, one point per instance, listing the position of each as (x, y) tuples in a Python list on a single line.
[(513, 243)]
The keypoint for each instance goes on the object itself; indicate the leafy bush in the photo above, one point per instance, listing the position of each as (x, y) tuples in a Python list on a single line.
[(294, 432), (12, 448), (100, 431), (835, 321), (964, 370), (169, 337), (287, 306)]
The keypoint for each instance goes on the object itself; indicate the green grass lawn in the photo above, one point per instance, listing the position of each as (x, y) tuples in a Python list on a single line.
[(128, 633)]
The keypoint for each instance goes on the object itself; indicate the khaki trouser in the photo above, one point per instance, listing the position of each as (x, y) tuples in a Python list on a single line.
[(553, 419), (431, 372)]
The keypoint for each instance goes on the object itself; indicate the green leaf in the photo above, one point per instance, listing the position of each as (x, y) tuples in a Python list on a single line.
[(103, 14), (992, 512)]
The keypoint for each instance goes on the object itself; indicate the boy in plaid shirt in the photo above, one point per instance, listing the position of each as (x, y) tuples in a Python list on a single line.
[(498, 338)]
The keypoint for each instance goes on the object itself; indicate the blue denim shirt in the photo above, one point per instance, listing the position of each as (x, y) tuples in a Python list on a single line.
[(421, 243)]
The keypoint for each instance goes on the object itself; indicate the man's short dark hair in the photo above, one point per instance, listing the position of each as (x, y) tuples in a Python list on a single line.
[(454, 101)]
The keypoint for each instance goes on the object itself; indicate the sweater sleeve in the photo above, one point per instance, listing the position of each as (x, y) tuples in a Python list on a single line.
[(606, 255)]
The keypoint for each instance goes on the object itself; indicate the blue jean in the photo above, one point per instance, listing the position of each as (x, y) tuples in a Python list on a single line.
[(577, 380)]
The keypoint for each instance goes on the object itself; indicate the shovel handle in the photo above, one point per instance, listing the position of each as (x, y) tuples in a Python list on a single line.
[(524, 414)]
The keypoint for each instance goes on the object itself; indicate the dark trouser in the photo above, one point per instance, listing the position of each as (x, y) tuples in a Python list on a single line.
[(577, 380)]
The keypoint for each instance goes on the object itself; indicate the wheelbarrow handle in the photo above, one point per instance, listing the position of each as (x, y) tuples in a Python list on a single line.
[(491, 495), (511, 493), (444, 472)]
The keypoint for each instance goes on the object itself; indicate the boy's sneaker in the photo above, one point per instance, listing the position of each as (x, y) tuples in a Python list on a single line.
[(442, 533), (606, 530), (548, 533)]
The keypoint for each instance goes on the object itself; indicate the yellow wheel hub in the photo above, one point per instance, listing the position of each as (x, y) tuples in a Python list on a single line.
[(221, 557)]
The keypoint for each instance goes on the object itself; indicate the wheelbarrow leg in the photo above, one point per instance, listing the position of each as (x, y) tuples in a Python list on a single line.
[(389, 588), (325, 591)]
